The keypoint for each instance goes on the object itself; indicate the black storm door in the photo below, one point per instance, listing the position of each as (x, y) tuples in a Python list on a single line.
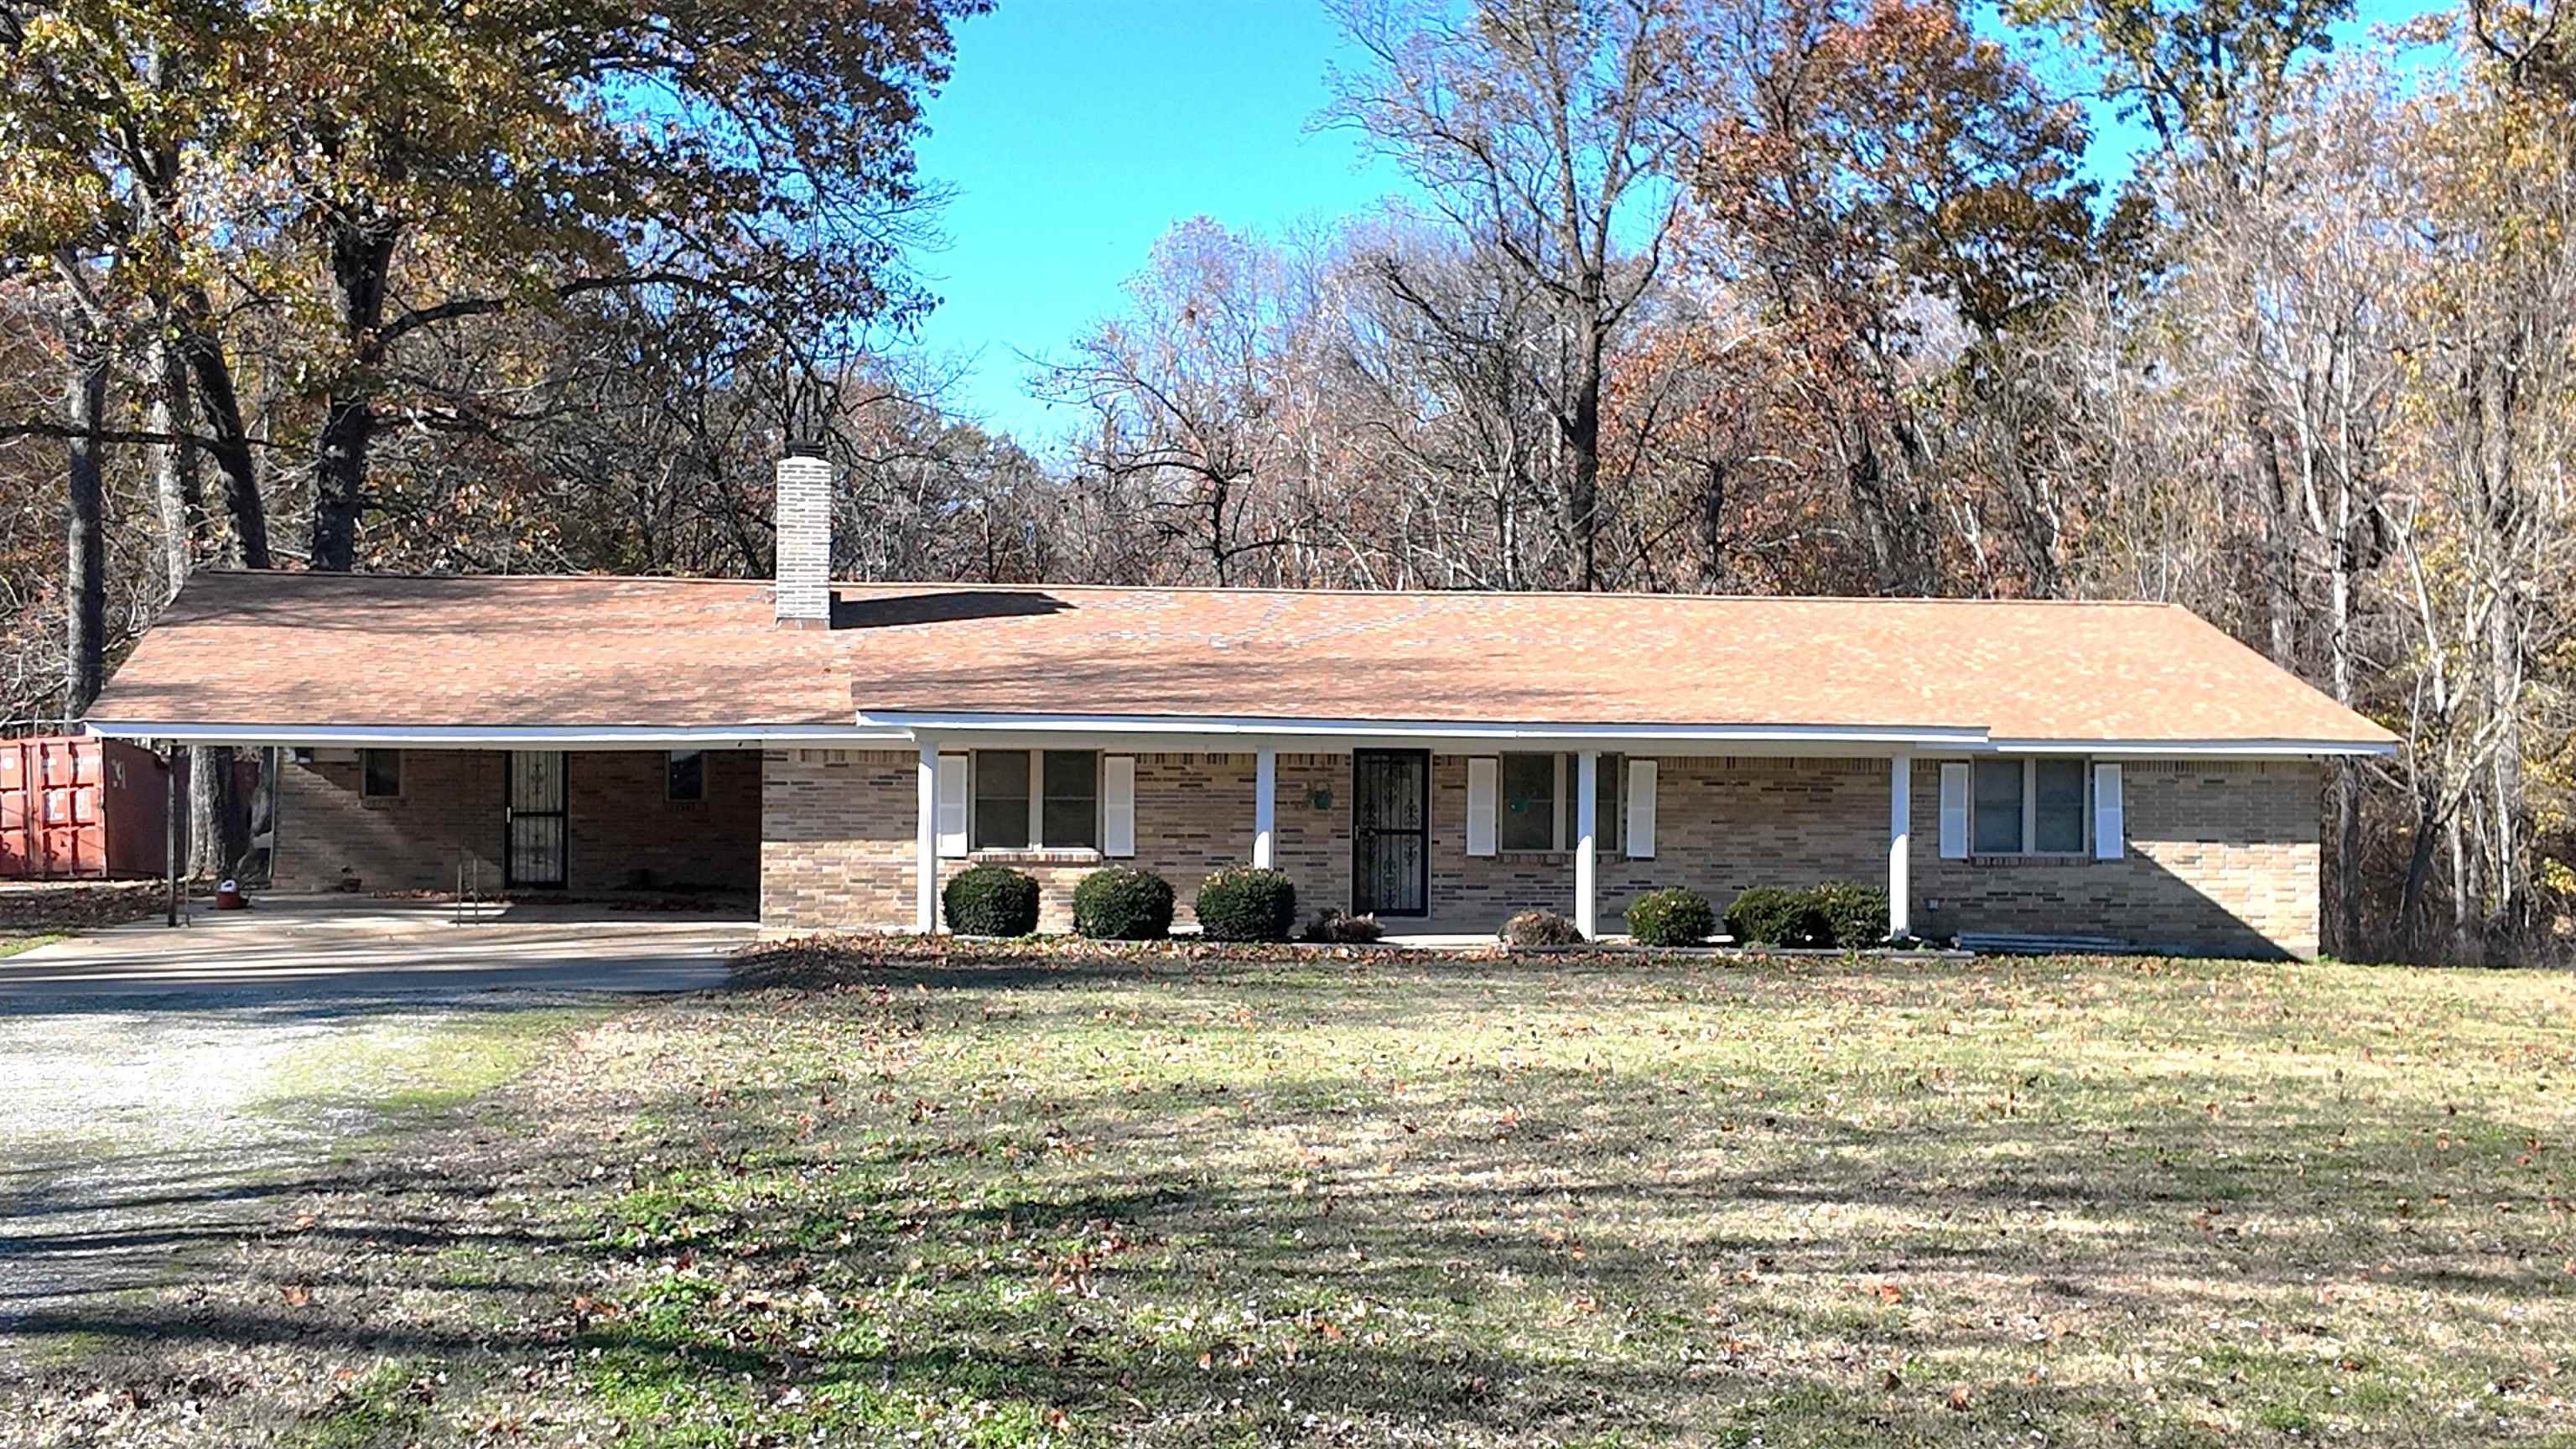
[(536, 814), (1390, 832)]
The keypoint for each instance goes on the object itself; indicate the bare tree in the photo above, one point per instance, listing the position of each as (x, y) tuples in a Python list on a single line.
[(1546, 131)]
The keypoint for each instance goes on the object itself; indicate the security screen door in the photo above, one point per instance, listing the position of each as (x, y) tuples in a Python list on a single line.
[(1390, 832), (536, 813)]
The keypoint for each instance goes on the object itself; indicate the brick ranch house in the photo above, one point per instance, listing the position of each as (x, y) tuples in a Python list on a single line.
[(2118, 770)]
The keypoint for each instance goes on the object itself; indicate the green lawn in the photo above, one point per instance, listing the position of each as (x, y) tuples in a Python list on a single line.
[(1373, 1202)]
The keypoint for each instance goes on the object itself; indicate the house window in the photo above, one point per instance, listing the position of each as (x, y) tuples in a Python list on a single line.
[(686, 778), (2057, 806), (380, 774), (2028, 807), (1527, 817), (1001, 799), (1536, 811), (1069, 812), (1036, 800), (1997, 811), (1609, 822)]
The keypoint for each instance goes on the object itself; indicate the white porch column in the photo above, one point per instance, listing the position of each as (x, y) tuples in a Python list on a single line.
[(1900, 843), (925, 843), (1265, 805), (1587, 798)]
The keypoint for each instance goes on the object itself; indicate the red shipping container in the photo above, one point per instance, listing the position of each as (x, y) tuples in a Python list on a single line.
[(73, 806)]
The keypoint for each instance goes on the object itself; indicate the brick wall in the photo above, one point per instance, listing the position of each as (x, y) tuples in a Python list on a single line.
[(450, 806), (836, 840), (1720, 825), (2223, 856), (627, 832), (838, 851), (618, 820)]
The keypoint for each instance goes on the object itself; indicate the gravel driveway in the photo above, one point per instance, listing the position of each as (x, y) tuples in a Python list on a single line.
[(161, 1092)]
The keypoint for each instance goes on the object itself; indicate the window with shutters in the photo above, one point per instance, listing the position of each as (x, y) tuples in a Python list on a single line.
[(1536, 809), (2028, 806), (1036, 800)]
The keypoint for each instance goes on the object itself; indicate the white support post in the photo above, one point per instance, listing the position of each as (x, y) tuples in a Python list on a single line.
[(1900, 844), (925, 840), (1265, 805), (1587, 799)]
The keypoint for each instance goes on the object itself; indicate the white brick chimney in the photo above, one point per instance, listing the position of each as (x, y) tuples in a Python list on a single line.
[(804, 538)]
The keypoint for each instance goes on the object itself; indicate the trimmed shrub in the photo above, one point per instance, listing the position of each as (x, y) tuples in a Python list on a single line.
[(991, 900), (1122, 903), (1673, 916), (1855, 916), (1772, 916), (1331, 927), (1243, 903), (1540, 928)]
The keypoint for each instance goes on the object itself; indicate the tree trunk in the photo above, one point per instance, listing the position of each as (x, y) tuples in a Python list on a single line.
[(85, 578), (175, 490), (2419, 871), (1583, 438), (362, 251), (339, 480), (231, 447), (217, 833)]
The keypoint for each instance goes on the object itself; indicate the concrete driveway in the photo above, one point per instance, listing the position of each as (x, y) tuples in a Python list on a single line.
[(341, 946), (164, 1090)]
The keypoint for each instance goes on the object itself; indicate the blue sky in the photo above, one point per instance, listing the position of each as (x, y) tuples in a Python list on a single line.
[(1075, 132)]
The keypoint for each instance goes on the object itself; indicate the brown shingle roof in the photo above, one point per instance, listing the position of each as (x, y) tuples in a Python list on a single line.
[(288, 649)]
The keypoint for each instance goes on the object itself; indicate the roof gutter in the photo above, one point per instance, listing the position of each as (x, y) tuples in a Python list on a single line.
[(2259, 749), (466, 737), (1252, 728)]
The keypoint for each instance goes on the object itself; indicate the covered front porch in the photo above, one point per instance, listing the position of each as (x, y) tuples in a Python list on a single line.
[(1436, 837)]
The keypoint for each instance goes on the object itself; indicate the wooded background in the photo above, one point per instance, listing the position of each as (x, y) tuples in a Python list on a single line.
[(1785, 296)]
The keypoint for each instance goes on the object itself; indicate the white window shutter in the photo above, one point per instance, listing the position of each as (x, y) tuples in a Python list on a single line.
[(1641, 810), (1954, 812), (2110, 814), (1484, 787), (952, 805), (1118, 805)]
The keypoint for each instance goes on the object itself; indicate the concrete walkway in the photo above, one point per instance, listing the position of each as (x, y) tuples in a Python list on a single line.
[(342, 946)]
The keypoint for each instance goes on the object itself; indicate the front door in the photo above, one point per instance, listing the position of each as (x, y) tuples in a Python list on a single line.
[(535, 857), (1391, 832)]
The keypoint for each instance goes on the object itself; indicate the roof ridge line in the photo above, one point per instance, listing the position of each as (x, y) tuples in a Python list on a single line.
[(1254, 590)]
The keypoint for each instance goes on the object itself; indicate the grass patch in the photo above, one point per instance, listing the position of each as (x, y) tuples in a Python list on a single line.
[(14, 945), (1125, 1200), (400, 1068)]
